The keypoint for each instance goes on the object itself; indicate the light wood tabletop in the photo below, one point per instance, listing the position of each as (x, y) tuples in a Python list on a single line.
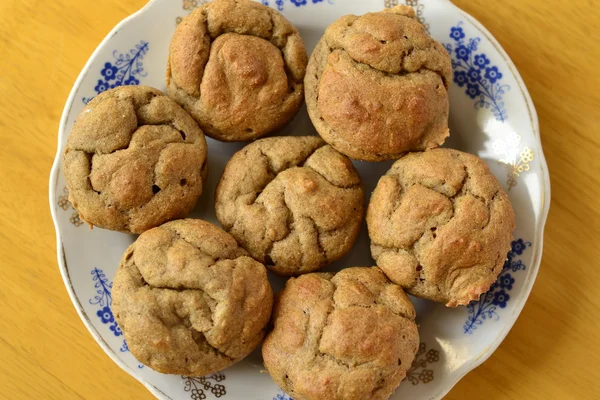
[(553, 351)]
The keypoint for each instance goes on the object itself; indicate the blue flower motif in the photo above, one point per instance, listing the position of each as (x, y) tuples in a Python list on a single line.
[(493, 74), (126, 69), (473, 44), (103, 299), (101, 86), (477, 68), (457, 33), (460, 77), (473, 90), (518, 246), (474, 75), (506, 281), (517, 266), (109, 72), (481, 61), (497, 296), (116, 329), (463, 53), (106, 315), (131, 81), (282, 396), (297, 3), (500, 298)]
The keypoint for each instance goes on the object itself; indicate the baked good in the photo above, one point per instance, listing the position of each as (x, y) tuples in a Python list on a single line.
[(237, 67), (134, 159), (440, 225), (189, 300), (377, 86), (349, 336), (294, 203)]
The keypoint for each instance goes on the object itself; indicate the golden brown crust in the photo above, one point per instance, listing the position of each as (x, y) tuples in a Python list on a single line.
[(440, 225), (351, 336), (134, 159), (294, 203), (377, 86), (237, 67), (189, 300)]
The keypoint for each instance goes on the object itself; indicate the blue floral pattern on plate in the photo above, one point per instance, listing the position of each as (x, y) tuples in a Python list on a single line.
[(474, 72), (282, 396), (498, 296), (103, 299), (297, 3), (126, 69)]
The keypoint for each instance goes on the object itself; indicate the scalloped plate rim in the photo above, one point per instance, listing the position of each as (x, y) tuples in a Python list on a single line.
[(545, 209), (474, 363), (52, 194)]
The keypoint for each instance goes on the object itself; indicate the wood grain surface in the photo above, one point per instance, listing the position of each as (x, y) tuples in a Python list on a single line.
[(553, 351)]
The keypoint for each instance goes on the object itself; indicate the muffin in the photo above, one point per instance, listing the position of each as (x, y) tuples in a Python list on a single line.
[(294, 203), (377, 86), (189, 300), (237, 67), (349, 336), (440, 225), (134, 159)]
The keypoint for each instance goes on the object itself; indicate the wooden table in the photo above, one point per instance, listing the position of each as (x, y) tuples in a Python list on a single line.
[(553, 351)]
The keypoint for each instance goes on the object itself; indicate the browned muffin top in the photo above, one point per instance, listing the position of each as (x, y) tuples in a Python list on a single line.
[(237, 67), (294, 203), (440, 225), (377, 85), (189, 300), (351, 336), (134, 159)]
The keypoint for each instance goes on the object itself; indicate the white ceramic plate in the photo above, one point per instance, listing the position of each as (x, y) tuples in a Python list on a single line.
[(491, 115)]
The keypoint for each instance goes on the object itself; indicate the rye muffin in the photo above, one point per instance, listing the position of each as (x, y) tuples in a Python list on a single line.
[(440, 225), (237, 67), (377, 86), (348, 336), (295, 203), (189, 300), (134, 159)]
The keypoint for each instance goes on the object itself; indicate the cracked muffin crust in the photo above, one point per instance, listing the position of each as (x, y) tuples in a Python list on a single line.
[(349, 336), (189, 300), (440, 225), (294, 203), (134, 159), (237, 67), (377, 86)]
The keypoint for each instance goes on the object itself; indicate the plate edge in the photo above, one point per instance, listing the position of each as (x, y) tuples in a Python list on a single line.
[(60, 253), (476, 362)]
